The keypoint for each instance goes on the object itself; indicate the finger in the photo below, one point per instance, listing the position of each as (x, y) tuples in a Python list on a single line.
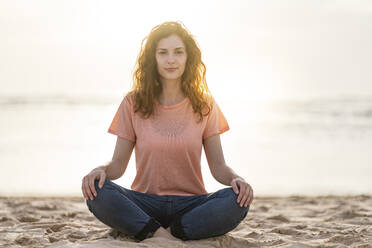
[(244, 198), (235, 187), (92, 188), (241, 194), (101, 180), (85, 183), (249, 198), (87, 189), (252, 197)]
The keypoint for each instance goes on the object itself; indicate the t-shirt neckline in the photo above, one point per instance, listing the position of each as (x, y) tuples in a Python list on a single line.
[(171, 106)]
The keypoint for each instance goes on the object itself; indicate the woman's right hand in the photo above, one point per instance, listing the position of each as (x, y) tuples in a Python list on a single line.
[(89, 191)]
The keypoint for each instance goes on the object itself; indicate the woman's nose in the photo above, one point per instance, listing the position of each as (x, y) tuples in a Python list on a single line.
[(171, 58)]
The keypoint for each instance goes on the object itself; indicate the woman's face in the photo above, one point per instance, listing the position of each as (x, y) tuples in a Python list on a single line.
[(171, 58)]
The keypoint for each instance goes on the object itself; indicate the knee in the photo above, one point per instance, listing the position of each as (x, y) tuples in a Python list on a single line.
[(107, 183), (101, 192), (232, 197)]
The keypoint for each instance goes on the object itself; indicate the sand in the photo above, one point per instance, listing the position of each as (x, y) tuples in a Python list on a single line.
[(296, 221)]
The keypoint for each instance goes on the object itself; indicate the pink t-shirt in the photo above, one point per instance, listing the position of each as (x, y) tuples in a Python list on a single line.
[(168, 145)]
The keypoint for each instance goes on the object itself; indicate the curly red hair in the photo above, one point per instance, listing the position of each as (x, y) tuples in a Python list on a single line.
[(146, 87)]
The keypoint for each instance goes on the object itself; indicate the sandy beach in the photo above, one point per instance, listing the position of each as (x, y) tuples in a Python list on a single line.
[(295, 221)]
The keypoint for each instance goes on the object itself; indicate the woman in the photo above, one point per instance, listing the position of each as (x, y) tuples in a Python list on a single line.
[(168, 115)]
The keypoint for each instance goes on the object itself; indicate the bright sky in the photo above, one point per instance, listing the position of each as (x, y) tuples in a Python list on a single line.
[(252, 49)]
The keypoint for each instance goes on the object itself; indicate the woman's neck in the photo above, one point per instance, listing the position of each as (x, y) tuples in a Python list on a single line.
[(171, 93)]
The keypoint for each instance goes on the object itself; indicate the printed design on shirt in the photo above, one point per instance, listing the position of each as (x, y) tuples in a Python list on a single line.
[(170, 126)]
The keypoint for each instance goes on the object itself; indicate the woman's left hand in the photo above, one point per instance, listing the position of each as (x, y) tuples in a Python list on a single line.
[(245, 191)]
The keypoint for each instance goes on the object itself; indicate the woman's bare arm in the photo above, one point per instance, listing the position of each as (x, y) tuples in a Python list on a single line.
[(216, 161), (113, 170), (116, 168), (223, 173)]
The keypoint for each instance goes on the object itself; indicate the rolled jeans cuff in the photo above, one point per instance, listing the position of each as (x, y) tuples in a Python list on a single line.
[(148, 231), (177, 230)]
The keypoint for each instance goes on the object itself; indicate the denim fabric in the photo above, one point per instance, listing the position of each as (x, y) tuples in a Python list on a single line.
[(189, 217)]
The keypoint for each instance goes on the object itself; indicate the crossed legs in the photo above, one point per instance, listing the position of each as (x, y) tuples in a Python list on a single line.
[(135, 215)]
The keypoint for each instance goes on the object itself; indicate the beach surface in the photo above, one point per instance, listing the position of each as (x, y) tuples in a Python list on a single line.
[(293, 221)]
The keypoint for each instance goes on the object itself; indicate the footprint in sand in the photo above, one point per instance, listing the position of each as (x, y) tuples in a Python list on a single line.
[(300, 226), (345, 214), (267, 243), (279, 218), (345, 239), (311, 202), (53, 239), (3, 219), (285, 231), (253, 235), (15, 204), (77, 235), (69, 214), (55, 228), (312, 213), (24, 240), (263, 209), (28, 218), (349, 214), (45, 207)]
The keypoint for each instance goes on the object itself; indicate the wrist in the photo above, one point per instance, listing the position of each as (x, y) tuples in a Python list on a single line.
[(237, 177), (102, 167)]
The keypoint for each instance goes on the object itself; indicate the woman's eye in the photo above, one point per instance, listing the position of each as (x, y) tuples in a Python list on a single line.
[(178, 52)]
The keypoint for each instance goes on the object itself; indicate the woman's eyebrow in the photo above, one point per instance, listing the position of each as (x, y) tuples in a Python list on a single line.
[(167, 49)]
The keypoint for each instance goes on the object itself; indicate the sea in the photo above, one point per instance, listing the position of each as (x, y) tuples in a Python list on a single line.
[(294, 146)]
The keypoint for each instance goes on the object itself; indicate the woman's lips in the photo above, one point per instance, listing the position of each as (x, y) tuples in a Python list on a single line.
[(170, 69)]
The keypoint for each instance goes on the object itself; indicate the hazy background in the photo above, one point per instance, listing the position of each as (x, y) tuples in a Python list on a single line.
[(293, 79)]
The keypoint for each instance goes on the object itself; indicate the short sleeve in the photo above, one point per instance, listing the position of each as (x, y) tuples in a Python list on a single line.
[(122, 124), (216, 122)]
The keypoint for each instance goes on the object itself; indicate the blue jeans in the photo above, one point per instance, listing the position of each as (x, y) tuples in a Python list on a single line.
[(139, 215)]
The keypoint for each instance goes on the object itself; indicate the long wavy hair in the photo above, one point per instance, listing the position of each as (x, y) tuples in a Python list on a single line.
[(146, 83)]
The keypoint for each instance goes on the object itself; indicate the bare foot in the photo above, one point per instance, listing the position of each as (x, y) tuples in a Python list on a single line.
[(161, 232)]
